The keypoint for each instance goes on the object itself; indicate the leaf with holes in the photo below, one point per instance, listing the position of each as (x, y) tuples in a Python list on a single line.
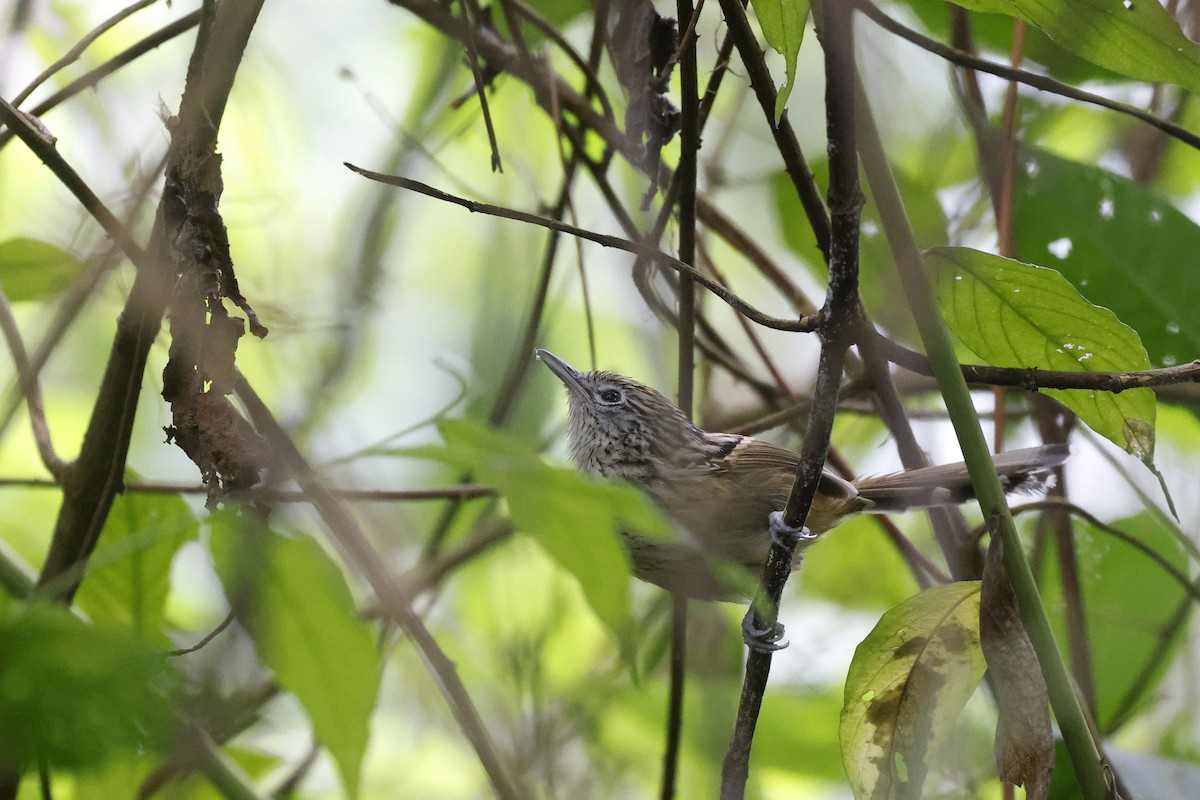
[(782, 24), (1137, 38), (1012, 314), (908, 682)]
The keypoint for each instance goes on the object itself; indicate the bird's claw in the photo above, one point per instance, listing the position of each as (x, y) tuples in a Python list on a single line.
[(762, 640), (785, 535)]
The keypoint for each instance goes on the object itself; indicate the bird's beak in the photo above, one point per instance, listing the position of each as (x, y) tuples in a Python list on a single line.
[(565, 372)]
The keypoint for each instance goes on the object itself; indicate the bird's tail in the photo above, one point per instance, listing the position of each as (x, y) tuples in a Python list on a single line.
[(1025, 470)]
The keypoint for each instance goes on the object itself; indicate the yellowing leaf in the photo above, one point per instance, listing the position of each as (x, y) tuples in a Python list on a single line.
[(907, 684)]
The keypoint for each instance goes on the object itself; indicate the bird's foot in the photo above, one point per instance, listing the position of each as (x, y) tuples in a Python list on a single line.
[(762, 640), (785, 535)]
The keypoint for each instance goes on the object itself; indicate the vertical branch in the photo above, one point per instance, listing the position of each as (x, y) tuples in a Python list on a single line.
[(91, 483), (1084, 751), (685, 179), (839, 317)]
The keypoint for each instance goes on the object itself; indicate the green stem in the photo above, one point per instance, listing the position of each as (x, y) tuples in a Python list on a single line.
[(1082, 748)]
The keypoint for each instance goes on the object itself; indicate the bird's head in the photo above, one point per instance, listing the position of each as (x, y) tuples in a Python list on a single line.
[(619, 426)]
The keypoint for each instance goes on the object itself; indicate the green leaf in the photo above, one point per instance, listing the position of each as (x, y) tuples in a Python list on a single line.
[(783, 24), (1137, 38), (577, 520), (34, 270), (908, 682), (835, 569), (1012, 314), (129, 575), (994, 33), (1120, 243), (76, 694), (296, 606), (1128, 602)]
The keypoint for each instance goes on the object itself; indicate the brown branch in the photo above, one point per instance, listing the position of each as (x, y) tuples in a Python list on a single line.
[(91, 483), (838, 319), (1031, 378)]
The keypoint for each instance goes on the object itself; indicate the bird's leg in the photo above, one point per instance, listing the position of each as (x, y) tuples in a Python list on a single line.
[(770, 639)]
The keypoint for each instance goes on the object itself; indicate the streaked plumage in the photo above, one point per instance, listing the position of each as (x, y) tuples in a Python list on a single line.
[(720, 487)]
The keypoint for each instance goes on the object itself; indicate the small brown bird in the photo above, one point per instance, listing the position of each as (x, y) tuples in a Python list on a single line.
[(721, 487)]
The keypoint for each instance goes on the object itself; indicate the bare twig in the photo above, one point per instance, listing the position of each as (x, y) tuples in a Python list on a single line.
[(208, 637), (481, 84), (92, 77), (466, 491), (805, 324), (75, 52), (31, 389)]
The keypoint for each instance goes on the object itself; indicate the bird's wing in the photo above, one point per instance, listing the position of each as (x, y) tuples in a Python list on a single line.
[(754, 456)]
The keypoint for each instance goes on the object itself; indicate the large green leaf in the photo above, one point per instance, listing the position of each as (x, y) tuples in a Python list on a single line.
[(1128, 600), (1020, 315), (129, 574), (835, 569), (1137, 38), (34, 270), (72, 694), (577, 520), (907, 684), (294, 602), (1120, 243), (782, 24)]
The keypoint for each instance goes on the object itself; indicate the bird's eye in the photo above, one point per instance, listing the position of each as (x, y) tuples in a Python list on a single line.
[(610, 396)]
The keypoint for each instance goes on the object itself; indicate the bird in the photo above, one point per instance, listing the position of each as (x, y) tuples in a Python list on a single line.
[(720, 488)]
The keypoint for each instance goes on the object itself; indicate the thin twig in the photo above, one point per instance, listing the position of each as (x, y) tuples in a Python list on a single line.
[(30, 388), (480, 84), (92, 77), (208, 637), (804, 324), (466, 491), (75, 52), (684, 181)]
